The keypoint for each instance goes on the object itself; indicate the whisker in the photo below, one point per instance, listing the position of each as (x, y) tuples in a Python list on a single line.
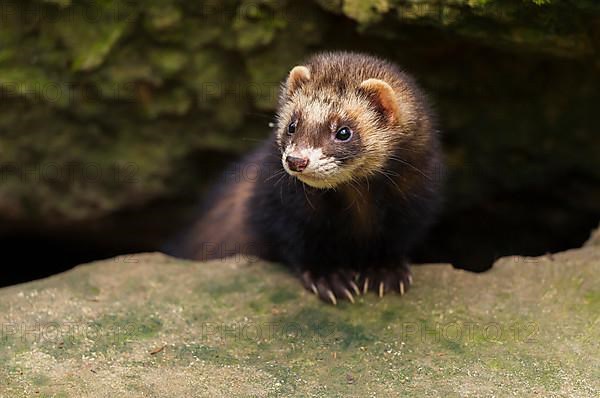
[(353, 183), (279, 180), (306, 196), (394, 183), (276, 174), (410, 165)]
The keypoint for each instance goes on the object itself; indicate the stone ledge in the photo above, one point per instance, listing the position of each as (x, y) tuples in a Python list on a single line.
[(150, 325)]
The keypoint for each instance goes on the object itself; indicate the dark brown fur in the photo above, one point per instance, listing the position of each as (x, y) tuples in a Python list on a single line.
[(347, 223)]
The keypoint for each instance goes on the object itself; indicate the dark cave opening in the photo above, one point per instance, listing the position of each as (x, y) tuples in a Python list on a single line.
[(470, 239)]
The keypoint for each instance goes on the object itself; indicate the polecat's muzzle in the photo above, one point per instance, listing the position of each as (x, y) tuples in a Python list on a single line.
[(296, 164)]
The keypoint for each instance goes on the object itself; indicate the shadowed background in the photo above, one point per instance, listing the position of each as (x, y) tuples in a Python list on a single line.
[(115, 115)]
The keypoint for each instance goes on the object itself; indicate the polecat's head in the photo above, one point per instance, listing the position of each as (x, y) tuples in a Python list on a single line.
[(334, 126)]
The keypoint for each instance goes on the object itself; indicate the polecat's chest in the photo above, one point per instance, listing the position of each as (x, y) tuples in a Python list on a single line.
[(350, 214)]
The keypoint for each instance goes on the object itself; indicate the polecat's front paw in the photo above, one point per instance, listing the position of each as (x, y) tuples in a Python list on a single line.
[(343, 284), (384, 280), (335, 285)]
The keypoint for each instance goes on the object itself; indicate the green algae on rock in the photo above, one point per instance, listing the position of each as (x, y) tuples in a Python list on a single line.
[(239, 327)]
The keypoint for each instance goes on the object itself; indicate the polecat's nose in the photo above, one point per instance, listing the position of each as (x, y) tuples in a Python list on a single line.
[(296, 164)]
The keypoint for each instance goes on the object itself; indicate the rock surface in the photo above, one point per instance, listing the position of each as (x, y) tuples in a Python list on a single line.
[(594, 239), (149, 325)]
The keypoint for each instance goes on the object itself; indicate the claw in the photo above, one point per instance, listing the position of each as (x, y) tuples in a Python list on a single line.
[(410, 279), (366, 286), (331, 297), (314, 289), (381, 289), (354, 287), (401, 288), (349, 295)]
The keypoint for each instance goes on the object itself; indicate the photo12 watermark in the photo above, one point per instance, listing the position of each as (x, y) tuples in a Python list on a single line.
[(67, 93), (460, 332), (89, 11), (65, 333), (71, 172), (469, 332), (238, 92)]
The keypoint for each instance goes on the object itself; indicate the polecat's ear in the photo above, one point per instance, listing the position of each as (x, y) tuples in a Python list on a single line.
[(297, 77), (383, 98)]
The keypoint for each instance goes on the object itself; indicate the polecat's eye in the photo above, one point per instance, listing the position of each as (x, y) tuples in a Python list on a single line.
[(343, 134), (292, 128)]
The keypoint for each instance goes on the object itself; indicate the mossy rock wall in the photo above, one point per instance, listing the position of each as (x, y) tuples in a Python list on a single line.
[(111, 105)]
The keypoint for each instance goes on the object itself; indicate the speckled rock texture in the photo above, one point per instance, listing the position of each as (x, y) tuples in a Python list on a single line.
[(152, 326)]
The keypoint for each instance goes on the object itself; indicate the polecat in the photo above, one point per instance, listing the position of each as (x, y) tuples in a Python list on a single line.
[(341, 191)]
